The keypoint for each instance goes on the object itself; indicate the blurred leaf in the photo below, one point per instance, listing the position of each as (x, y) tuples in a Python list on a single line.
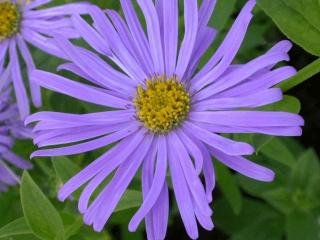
[(278, 151), (86, 233), (21, 237), (268, 227), (306, 168), (287, 104), (10, 206), (259, 141), (66, 103), (302, 225), (72, 223), (280, 199), (64, 168), (40, 214), (296, 25), (137, 235), (229, 187), (222, 13), (130, 199), (256, 221), (17, 227)]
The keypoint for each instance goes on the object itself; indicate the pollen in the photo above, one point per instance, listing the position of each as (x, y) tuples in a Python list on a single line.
[(9, 19), (163, 104)]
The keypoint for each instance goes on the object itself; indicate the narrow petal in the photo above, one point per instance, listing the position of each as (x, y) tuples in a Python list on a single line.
[(170, 34), (154, 34), (77, 134), (77, 90), (264, 81), (125, 35), (182, 194), (3, 51), (205, 221), (160, 214), (41, 42), (244, 166), (7, 176), (208, 171), (16, 160), (273, 131), (192, 149), (90, 35), (205, 38), (35, 89), (193, 180), (36, 3), (20, 91), (225, 145), (205, 12), (99, 70), (137, 32), (87, 146), (114, 161), (240, 74), (189, 40), (66, 9), (248, 118), (254, 100), (80, 119), (125, 147), (156, 187), (225, 54), (117, 186), (123, 57), (147, 175)]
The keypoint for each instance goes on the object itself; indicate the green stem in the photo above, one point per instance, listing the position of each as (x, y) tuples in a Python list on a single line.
[(303, 75)]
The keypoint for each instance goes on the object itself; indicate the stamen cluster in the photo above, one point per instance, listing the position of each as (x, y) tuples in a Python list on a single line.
[(9, 19), (163, 104)]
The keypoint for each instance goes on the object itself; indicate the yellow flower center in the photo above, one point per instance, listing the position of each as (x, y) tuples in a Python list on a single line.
[(163, 104), (9, 19)]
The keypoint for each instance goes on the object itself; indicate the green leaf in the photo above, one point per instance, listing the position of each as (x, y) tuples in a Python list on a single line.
[(229, 187), (21, 237), (265, 228), (42, 218), (222, 13), (256, 221), (130, 199), (72, 223), (306, 168), (280, 199), (10, 206), (278, 151), (296, 25), (86, 233), (17, 227), (288, 104), (308, 8), (303, 75), (302, 225), (64, 168)]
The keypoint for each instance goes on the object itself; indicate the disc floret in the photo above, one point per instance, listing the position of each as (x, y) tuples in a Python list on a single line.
[(163, 104), (9, 19)]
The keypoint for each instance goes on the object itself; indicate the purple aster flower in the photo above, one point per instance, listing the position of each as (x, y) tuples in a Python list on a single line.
[(166, 117), (11, 128), (21, 22)]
